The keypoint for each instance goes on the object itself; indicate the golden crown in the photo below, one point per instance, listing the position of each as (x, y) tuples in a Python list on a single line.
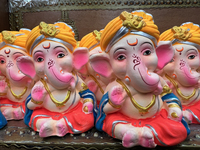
[(48, 30), (97, 34), (180, 33), (132, 21), (9, 37)]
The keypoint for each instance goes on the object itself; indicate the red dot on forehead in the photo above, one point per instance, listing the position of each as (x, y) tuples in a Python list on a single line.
[(7, 51)]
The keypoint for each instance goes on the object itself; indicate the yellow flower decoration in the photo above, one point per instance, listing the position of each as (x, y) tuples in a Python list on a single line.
[(97, 34), (180, 33), (132, 21), (9, 37), (48, 30)]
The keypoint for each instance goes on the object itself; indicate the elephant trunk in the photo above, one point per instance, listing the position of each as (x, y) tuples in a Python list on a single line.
[(187, 77), (14, 74), (143, 80), (60, 79)]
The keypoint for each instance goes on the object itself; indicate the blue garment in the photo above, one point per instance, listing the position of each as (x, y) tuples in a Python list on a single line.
[(28, 113), (3, 120), (101, 115), (171, 98), (89, 94)]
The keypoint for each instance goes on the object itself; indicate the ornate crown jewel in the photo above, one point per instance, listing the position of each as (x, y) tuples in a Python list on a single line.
[(48, 30), (180, 33), (97, 34), (132, 21), (9, 37)]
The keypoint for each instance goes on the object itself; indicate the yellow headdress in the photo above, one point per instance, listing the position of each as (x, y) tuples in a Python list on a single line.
[(187, 33), (137, 22), (91, 40), (58, 32), (15, 39)]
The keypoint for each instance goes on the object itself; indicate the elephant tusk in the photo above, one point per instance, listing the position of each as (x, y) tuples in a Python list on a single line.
[(191, 71)]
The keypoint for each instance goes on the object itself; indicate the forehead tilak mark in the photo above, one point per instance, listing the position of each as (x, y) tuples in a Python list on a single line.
[(132, 44), (7, 51), (46, 47)]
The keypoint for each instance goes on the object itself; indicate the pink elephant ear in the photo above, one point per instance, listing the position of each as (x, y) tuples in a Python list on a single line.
[(101, 64), (26, 66), (165, 52), (81, 57)]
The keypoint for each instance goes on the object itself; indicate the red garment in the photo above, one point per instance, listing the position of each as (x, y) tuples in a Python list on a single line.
[(14, 104), (195, 108), (168, 131), (78, 119)]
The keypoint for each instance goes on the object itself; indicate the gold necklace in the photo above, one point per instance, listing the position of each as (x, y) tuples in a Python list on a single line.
[(142, 110), (16, 96), (58, 104), (186, 98), (95, 80)]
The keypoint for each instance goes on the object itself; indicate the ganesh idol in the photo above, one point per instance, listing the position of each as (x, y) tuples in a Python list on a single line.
[(95, 82), (15, 86), (60, 101), (138, 107), (181, 73)]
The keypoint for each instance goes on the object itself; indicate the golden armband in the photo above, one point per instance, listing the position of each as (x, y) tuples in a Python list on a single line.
[(113, 105), (87, 100), (166, 90), (84, 87), (36, 102), (173, 105)]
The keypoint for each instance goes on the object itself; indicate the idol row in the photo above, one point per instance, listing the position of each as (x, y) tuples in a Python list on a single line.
[(127, 80)]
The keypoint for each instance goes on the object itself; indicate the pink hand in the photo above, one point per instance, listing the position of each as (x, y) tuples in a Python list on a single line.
[(3, 86), (88, 107), (175, 113), (117, 95), (38, 93), (92, 86)]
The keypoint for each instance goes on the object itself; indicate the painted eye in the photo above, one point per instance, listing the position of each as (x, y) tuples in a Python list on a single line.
[(61, 55), (191, 57), (40, 59), (2, 61), (147, 52), (121, 57)]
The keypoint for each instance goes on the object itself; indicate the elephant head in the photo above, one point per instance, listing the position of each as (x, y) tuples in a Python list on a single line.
[(53, 58), (12, 47), (92, 42), (132, 55), (183, 67)]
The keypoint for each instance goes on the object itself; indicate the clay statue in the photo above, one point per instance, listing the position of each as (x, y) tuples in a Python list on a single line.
[(60, 102), (181, 73), (95, 82), (14, 86), (138, 107)]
